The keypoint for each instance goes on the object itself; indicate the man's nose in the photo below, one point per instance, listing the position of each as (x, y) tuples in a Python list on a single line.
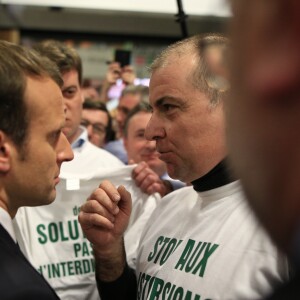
[(154, 129)]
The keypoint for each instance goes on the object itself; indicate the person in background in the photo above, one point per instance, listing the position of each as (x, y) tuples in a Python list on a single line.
[(90, 89), (114, 73), (70, 66), (202, 241), (263, 118), (32, 150), (151, 173), (98, 122), (130, 97)]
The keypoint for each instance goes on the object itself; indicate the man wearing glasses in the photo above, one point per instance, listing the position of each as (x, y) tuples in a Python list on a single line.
[(98, 122)]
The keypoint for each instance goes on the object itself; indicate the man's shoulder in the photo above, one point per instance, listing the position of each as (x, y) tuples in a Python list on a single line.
[(100, 151), (18, 275), (117, 149)]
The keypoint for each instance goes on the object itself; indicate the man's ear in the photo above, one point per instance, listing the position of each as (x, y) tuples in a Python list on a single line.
[(4, 153)]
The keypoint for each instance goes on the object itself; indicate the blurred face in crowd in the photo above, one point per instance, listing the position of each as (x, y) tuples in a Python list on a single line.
[(264, 111), (126, 103), (189, 133), (34, 170), (73, 100), (96, 122), (138, 147)]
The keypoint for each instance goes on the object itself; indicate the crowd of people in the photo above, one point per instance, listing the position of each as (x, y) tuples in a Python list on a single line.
[(187, 191)]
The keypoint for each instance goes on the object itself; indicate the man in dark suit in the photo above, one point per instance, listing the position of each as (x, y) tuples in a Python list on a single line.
[(32, 149), (264, 119)]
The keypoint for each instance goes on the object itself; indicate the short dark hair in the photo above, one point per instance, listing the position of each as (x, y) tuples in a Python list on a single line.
[(66, 58), (99, 105), (16, 64), (140, 107)]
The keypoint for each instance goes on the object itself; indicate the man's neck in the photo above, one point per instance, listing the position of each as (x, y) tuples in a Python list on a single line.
[(216, 177), (74, 136)]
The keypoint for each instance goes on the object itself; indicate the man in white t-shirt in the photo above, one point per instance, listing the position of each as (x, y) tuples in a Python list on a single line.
[(53, 239), (203, 241)]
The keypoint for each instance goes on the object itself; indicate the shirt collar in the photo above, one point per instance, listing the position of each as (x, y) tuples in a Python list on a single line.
[(82, 138), (215, 178)]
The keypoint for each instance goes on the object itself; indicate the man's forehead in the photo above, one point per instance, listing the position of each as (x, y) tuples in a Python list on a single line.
[(69, 74), (129, 100), (141, 115), (161, 90)]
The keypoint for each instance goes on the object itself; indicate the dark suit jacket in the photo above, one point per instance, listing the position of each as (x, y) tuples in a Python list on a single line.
[(18, 278)]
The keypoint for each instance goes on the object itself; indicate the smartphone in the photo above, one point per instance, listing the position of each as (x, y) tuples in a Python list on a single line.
[(123, 57)]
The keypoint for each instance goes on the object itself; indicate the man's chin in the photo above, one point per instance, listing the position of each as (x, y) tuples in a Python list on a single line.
[(51, 197), (173, 171)]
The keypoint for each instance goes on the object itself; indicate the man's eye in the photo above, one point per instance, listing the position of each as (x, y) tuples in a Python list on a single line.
[(84, 123), (125, 111), (69, 93), (99, 128), (168, 107), (140, 135)]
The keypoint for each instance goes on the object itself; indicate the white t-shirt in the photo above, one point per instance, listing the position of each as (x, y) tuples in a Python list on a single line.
[(207, 245), (54, 241), (88, 158)]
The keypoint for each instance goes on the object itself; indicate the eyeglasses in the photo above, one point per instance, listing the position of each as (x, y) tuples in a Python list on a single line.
[(97, 127)]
